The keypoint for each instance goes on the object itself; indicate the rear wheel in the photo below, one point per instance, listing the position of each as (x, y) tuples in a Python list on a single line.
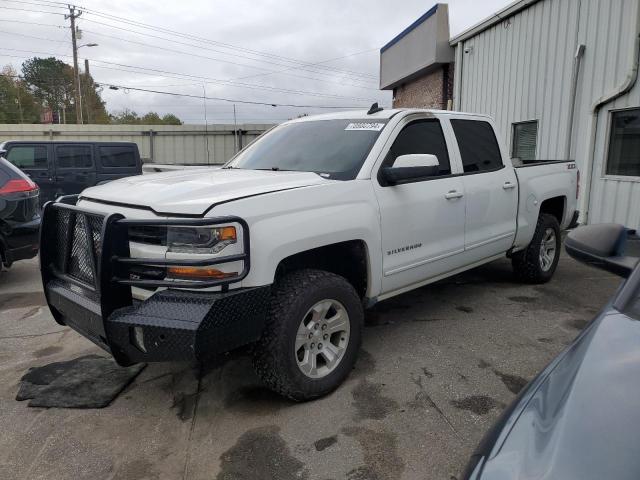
[(538, 262), (312, 335)]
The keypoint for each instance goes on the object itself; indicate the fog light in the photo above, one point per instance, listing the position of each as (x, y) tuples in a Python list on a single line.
[(138, 339)]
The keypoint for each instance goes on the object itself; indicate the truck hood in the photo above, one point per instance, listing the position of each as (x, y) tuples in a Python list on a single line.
[(193, 192)]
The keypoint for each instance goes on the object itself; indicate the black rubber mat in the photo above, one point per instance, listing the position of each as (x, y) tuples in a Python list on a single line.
[(85, 382)]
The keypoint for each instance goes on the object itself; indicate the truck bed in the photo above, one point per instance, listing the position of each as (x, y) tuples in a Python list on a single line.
[(548, 179)]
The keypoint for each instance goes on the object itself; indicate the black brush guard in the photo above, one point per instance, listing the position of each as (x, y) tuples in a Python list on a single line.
[(87, 275)]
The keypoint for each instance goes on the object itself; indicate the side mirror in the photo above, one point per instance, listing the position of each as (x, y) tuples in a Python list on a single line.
[(411, 167), (3, 153), (603, 246)]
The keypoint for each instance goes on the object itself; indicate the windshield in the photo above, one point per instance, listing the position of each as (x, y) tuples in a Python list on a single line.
[(332, 148)]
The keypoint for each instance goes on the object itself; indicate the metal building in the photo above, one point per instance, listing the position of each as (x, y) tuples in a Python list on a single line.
[(560, 78)]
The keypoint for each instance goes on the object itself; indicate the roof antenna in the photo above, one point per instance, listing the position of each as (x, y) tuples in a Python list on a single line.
[(374, 109)]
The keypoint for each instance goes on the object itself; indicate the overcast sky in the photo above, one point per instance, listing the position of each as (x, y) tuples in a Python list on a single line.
[(267, 46)]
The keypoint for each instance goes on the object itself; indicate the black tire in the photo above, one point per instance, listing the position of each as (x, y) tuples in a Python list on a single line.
[(274, 356), (527, 265)]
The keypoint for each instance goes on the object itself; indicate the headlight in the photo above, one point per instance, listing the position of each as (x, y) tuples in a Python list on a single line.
[(207, 240)]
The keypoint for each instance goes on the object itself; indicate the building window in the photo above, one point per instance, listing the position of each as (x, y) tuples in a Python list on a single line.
[(525, 138), (624, 144)]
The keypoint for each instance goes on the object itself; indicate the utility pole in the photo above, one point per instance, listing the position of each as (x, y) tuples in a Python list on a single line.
[(206, 123), (72, 17), (87, 76), (235, 130)]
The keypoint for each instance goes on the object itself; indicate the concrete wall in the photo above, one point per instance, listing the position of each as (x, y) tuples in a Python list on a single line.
[(165, 144), (521, 68)]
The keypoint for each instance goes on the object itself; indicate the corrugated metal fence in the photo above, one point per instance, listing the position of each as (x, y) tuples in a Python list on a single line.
[(164, 144)]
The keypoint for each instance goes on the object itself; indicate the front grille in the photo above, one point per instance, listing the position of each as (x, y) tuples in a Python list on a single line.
[(79, 241)]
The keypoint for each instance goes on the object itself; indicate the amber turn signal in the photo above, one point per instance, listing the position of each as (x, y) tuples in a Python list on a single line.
[(199, 272), (226, 233)]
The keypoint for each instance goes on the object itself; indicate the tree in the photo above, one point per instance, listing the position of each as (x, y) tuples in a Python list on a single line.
[(171, 119), (17, 104), (51, 81), (125, 117), (129, 117), (93, 107), (151, 118)]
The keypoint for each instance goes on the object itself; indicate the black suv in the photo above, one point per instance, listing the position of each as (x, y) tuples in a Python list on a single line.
[(64, 168), (19, 215)]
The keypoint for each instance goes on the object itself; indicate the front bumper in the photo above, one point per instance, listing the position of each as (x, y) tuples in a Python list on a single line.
[(87, 275)]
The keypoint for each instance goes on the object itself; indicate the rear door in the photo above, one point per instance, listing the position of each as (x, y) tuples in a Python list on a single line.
[(34, 159), (75, 167), (117, 161), (491, 189), (422, 222)]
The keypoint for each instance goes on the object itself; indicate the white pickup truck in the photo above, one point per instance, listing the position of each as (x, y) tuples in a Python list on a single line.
[(288, 243)]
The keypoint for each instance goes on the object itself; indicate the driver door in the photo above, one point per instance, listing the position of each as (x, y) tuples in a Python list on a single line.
[(422, 221)]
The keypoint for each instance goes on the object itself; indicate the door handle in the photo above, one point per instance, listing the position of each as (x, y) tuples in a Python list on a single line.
[(508, 185), (453, 194)]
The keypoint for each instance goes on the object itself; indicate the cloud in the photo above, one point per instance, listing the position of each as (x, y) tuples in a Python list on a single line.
[(285, 30)]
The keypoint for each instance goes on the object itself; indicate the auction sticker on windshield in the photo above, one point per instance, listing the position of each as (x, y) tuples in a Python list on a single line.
[(372, 127)]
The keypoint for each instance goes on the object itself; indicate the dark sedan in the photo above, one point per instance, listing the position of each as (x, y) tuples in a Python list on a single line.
[(580, 417), (19, 215)]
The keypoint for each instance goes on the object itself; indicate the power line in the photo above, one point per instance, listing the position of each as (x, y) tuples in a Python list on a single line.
[(248, 102), (38, 4), (230, 83), (178, 75), (268, 71), (185, 95), (30, 10), (316, 63), (298, 63), (173, 40), (223, 44), (32, 23), (4, 32)]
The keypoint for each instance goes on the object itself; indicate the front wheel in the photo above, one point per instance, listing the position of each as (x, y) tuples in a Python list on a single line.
[(312, 335), (537, 263)]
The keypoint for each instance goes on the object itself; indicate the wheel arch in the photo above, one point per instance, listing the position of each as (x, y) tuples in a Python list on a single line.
[(555, 206), (349, 259)]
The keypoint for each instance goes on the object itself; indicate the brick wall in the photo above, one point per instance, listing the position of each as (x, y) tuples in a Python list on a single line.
[(429, 91)]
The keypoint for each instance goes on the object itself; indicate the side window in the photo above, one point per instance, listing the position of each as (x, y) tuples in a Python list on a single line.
[(28, 156), (421, 136), (624, 144), (117, 156), (478, 145), (73, 156)]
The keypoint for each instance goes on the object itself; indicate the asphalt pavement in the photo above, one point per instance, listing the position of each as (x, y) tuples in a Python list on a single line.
[(437, 367)]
